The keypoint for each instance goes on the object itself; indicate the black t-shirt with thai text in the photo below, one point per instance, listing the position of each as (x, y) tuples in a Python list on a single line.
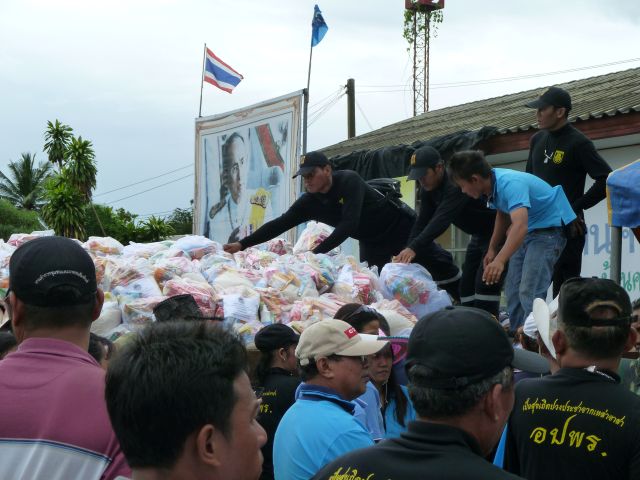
[(574, 424), (277, 395)]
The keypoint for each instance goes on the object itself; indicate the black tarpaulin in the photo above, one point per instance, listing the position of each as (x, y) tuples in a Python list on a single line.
[(393, 161)]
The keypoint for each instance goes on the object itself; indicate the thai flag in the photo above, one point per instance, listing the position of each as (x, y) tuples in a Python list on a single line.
[(218, 73)]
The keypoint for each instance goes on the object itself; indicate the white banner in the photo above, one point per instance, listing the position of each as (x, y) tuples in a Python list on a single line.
[(244, 163)]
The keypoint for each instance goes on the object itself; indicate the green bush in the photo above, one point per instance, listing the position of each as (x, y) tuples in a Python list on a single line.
[(16, 220)]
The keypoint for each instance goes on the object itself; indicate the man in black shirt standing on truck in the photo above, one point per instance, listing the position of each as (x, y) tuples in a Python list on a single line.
[(345, 201), (442, 203), (561, 155)]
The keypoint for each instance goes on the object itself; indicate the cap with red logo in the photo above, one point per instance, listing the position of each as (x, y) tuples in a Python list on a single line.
[(335, 337)]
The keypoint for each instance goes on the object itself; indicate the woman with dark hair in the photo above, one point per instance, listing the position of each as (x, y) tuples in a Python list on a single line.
[(101, 349), (396, 408), (276, 380)]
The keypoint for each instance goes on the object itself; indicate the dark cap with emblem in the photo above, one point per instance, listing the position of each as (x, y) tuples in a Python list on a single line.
[(311, 160), (554, 96), (460, 346), (421, 160), (52, 272), (579, 297), (275, 336)]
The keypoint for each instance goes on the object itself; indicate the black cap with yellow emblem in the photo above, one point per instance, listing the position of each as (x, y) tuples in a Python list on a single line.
[(311, 160), (422, 159), (555, 96)]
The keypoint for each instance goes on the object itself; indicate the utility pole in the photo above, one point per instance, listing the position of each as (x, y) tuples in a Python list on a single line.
[(351, 108)]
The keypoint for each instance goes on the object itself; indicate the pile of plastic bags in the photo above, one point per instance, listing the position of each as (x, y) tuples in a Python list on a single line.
[(250, 289)]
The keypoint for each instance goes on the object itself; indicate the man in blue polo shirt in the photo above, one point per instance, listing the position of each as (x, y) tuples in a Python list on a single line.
[(528, 232), (320, 425)]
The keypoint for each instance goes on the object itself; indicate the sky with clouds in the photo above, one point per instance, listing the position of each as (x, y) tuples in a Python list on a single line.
[(125, 74)]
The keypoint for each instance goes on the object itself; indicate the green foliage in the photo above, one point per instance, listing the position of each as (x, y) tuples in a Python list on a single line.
[(57, 138), (119, 224), (154, 229), (434, 18), (16, 220), (64, 211), (69, 192), (181, 219), (23, 187), (81, 166)]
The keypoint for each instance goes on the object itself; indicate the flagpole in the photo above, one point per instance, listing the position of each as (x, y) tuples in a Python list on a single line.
[(309, 71), (305, 116), (204, 56)]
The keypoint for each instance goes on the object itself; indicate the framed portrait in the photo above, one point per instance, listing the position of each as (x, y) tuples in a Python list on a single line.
[(244, 163)]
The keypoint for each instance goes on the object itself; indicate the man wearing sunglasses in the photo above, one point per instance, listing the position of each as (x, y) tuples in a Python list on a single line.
[(580, 422), (345, 201), (320, 425)]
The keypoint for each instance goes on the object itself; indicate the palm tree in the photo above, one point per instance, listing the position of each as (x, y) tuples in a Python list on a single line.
[(65, 208), (24, 187), (80, 166), (57, 138)]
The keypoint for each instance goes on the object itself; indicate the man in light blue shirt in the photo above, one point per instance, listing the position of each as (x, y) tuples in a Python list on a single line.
[(320, 425), (529, 228)]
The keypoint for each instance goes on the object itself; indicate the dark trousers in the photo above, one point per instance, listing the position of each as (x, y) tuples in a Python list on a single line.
[(569, 264), (473, 291), (379, 252), (440, 264)]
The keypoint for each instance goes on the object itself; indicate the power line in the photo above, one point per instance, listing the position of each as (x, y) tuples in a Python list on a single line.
[(497, 80), (324, 110), (143, 181), (342, 87), (149, 189), (328, 104), (365, 117)]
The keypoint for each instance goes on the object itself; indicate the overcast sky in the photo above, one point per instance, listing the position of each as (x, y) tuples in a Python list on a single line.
[(125, 74)]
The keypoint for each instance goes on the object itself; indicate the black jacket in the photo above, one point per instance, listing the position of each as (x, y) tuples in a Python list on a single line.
[(425, 451), (445, 205), (565, 157), (351, 206)]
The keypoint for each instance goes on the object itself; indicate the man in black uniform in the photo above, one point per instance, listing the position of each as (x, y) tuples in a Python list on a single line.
[(580, 422), (460, 366), (561, 155), (277, 380), (345, 201), (441, 204)]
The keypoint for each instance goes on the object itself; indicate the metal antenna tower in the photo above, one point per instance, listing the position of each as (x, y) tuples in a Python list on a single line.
[(421, 15)]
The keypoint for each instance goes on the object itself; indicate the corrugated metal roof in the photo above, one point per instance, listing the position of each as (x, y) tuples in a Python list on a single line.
[(594, 97)]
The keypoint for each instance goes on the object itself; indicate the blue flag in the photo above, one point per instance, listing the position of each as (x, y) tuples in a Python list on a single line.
[(318, 27)]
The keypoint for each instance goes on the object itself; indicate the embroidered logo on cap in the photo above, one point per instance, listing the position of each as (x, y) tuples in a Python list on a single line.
[(302, 159), (350, 332), (413, 159)]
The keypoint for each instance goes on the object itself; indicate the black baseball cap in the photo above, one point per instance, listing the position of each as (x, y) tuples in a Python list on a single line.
[(311, 160), (463, 345), (275, 336), (176, 308), (421, 160), (555, 96), (578, 298), (52, 272)]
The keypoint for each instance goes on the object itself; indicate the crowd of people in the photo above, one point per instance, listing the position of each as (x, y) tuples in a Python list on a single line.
[(347, 399)]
